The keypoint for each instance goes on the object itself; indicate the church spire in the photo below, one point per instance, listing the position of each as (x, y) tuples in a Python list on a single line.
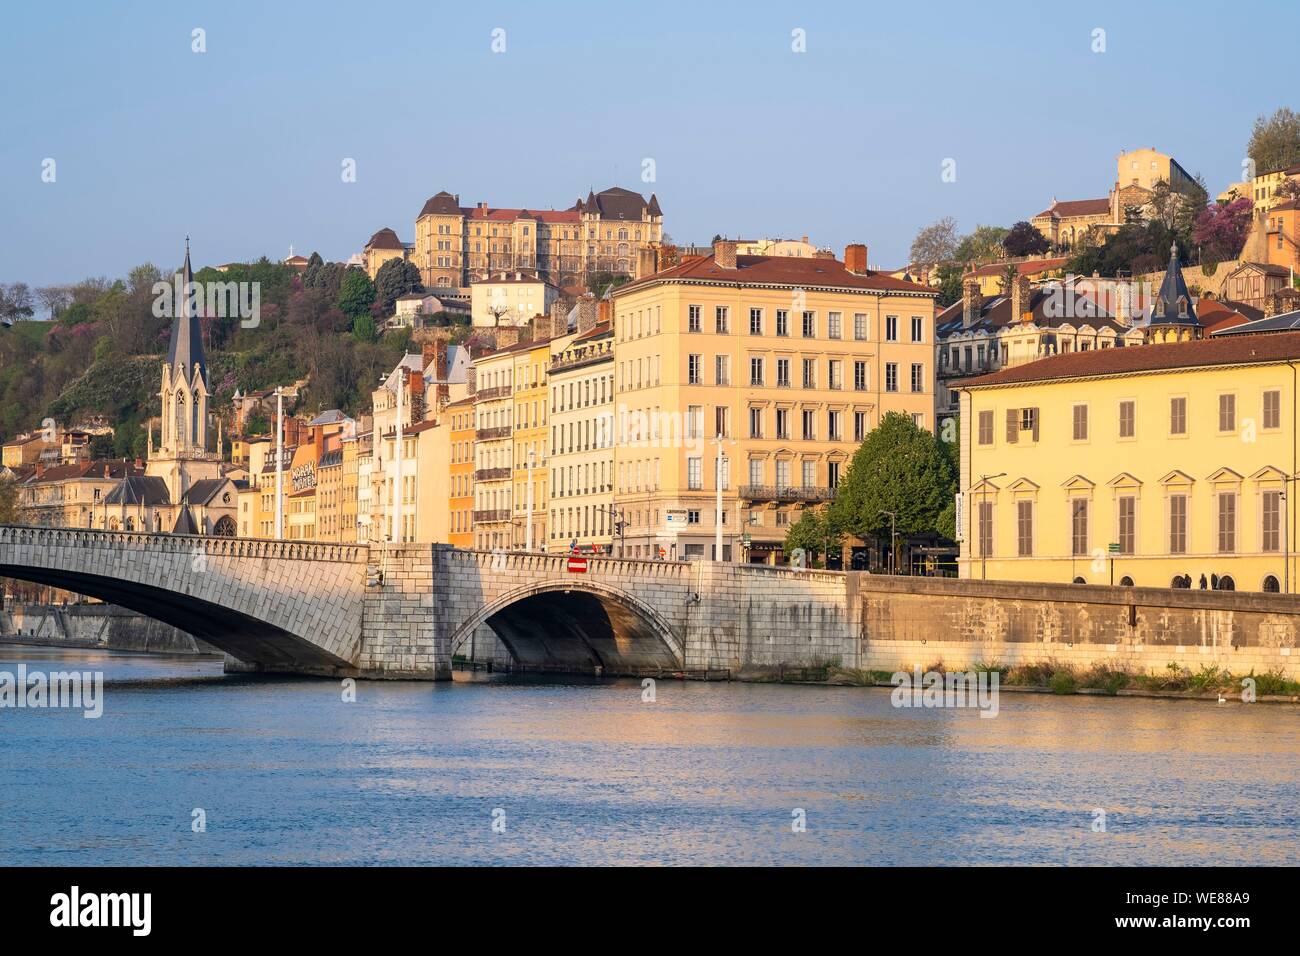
[(186, 349)]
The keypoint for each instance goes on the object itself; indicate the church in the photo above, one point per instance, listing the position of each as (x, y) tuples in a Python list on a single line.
[(183, 489)]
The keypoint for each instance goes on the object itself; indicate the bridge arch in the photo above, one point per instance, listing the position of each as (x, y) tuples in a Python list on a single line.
[(585, 623)]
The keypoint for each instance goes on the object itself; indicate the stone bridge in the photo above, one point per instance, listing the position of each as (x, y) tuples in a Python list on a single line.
[(404, 611)]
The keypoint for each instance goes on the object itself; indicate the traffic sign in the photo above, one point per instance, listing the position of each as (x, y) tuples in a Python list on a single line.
[(577, 565), (1113, 547)]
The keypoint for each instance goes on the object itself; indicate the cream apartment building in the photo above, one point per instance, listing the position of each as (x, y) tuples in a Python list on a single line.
[(761, 374)]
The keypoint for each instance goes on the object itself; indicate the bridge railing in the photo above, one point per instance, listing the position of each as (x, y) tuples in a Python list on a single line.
[(186, 543)]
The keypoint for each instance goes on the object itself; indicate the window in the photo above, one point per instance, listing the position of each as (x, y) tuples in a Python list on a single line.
[(1025, 528), (1272, 409), (1228, 413), (809, 373), (755, 371), (810, 474), (693, 516), (755, 424), (891, 376), (891, 328), (1080, 422), (833, 426), (693, 370), (809, 422), (755, 321), (918, 377), (782, 322), (985, 527), (1127, 419), (810, 325), (1272, 521), (917, 329), (720, 319), (783, 474), (693, 318), (722, 369), (859, 426), (834, 380), (1177, 524), (1227, 521), (1126, 511), (833, 474), (783, 373), (693, 473), (860, 376), (860, 326), (1178, 416), (986, 428), (694, 421), (782, 423), (1079, 526), (721, 421), (755, 471), (834, 325)]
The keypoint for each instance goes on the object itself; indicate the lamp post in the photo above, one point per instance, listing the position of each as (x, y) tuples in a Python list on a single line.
[(717, 481), (279, 463), (528, 528), (984, 497), (893, 517)]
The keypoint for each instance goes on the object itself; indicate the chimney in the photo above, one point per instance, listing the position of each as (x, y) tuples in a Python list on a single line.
[(823, 254), (605, 312), (724, 253), (588, 313), (971, 301), (541, 328), (1124, 303), (1019, 296), (647, 261), (507, 335), (471, 380), (560, 315), (855, 258)]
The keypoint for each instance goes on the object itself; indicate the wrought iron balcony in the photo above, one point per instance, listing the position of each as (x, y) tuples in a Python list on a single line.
[(785, 493), (491, 474), (486, 434), (497, 391), (487, 517)]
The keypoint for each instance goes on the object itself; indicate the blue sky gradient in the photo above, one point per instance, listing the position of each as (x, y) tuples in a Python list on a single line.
[(241, 146)]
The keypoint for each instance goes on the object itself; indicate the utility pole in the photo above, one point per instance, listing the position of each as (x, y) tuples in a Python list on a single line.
[(279, 463), (396, 534), (528, 529)]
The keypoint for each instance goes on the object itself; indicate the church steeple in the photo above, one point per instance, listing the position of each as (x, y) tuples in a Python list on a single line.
[(1173, 316), (186, 349)]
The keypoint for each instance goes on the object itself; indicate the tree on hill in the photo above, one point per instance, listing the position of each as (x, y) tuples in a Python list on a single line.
[(1022, 239), (950, 278), (1221, 229), (981, 246), (902, 468), (8, 500), (395, 278), (1275, 141), (935, 243), (356, 294)]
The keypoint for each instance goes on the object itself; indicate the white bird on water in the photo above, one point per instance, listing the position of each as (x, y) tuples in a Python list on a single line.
[(1222, 699)]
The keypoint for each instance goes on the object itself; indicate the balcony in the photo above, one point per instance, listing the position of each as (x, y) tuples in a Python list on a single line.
[(486, 434), (487, 517), (497, 391), (491, 474), (785, 493)]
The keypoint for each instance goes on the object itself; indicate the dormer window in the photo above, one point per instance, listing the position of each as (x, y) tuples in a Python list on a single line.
[(1182, 306)]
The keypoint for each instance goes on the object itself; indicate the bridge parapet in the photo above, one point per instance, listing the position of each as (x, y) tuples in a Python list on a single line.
[(187, 543)]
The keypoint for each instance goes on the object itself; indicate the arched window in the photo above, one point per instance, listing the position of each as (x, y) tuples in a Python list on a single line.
[(1126, 582), (195, 438), (1079, 581), (225, 527), (130, 524), (1270, 585), (1227, 584), (178, 419)]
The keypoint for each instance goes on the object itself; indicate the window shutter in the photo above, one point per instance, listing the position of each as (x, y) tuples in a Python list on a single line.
[(1013, 424), (1034, 412)]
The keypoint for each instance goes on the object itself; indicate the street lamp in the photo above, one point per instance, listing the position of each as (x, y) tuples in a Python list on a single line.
[(717, 481), (893, 517), (984, 497), (528, 530)]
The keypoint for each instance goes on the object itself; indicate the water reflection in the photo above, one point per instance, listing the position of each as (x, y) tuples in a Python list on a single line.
[(588, 773)]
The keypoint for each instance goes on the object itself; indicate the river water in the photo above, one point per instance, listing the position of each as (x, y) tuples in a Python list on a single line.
[(579, 771)]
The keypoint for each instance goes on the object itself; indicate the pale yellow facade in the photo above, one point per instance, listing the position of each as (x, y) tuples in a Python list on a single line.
[(1141, 478), (529, 432), (493, 449), (582, 444), (764, 377), (432, 480)]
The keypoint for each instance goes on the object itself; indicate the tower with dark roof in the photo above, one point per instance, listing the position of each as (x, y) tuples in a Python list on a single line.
[(1173, 316)]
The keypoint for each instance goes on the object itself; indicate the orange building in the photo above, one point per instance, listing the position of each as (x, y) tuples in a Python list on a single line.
[(461, 501)]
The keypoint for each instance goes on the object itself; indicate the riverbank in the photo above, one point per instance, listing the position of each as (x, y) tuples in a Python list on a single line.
[(91, 626), (1210, 683)]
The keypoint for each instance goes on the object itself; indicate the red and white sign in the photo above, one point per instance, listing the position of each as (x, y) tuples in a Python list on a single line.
[(577, 565)]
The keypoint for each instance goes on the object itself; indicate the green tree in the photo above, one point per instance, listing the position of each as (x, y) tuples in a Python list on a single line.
[(356, 294), (950, 290), (395, 278), (815, 532), (900, 467), (935, 243), (8, 501), (981, 246), (101, 447), (363, 328), (1022, 239), (1275, 141)]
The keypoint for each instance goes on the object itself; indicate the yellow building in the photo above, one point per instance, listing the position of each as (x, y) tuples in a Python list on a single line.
[(529, 432), (780, 364), (493, 447), (603, 233), (582, 438), (1158, 466), (431, 457), (381, 247), (460, 415)]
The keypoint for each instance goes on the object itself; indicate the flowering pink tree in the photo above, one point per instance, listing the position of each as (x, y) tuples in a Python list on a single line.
[(1221, 229)]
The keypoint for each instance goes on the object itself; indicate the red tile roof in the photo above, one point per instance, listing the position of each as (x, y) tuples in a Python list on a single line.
[(384, 239), (1263, 349), (1077, 207), (780, 271)]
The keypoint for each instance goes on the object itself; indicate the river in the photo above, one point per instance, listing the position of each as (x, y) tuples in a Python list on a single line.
[(577, 771)]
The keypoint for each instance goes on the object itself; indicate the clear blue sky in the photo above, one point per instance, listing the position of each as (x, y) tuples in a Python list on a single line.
[(241, 146)]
